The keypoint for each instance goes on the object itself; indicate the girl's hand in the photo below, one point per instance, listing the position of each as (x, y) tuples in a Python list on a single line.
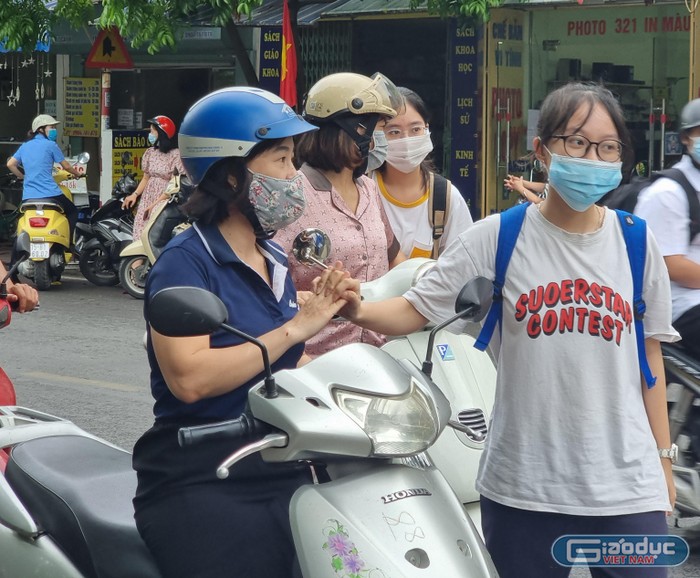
[(670, 484), (513, 183), (303, 297)]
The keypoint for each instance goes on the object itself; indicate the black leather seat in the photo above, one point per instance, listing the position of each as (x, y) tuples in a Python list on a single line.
[(79, 491)]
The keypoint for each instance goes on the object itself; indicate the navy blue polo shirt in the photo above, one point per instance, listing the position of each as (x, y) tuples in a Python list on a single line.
[(200, 257), (38, 156)]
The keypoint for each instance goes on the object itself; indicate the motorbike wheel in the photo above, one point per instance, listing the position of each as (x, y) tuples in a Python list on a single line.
[(133, 277), (42, 275), (96, 267)]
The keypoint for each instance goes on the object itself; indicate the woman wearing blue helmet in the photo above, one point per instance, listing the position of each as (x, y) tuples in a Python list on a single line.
[(237, 148)]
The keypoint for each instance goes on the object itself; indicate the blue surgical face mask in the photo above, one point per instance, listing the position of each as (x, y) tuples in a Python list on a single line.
[(152, 138), (583, 182), (695, 151), (52, 134), (377, 155)]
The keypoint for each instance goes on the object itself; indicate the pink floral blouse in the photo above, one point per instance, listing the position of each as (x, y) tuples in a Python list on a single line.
[(159, 168), (363, 241)]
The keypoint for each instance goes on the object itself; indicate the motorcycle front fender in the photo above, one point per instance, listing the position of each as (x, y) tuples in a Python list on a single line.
[(93, 243), (399, 521), (133, 249)]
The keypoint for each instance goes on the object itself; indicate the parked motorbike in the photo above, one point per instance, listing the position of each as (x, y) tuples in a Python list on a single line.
[(105, 235), (49, 231), (357, 409), (683, 381), (65, 495), (167, 220), (465, 375)]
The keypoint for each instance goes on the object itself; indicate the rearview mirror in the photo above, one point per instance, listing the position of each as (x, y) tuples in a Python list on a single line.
[(185, 312), (312, 247), (476, 295)]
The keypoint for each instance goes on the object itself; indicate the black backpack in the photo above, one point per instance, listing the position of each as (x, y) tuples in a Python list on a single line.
[(625, 197)]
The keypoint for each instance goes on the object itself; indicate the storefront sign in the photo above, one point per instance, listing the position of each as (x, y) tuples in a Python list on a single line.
[(601, 26), (82, 107), (464, 111), (128, 147), (270, 59)]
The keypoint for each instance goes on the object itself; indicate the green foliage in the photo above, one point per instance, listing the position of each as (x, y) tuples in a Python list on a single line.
[(458, 8), (155, 23)]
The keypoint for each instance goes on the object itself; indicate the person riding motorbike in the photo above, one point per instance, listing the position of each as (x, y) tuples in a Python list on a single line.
[(237, 148), (37, 157)]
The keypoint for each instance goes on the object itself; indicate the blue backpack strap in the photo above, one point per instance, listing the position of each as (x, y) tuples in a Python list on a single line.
[(511, 223), (634, 231)]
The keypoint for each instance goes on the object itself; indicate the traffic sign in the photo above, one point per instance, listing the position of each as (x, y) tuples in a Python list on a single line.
[(109, 51)]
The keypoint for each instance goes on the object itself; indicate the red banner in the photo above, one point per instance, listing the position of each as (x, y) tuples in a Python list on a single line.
[(288, 80)]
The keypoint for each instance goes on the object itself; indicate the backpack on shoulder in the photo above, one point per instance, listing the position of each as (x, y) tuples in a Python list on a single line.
[(625, 196), (634, 231), (438, 208)]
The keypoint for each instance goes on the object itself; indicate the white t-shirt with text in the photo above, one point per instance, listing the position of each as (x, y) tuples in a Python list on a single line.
[(569, 432)]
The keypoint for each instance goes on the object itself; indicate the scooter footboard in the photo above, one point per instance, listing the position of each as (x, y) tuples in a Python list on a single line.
[(392, 522)]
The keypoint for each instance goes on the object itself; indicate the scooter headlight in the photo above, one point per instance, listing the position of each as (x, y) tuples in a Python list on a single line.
[(397, 426)]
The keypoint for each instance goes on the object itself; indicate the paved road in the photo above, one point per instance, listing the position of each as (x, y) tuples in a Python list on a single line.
[(80, 356)]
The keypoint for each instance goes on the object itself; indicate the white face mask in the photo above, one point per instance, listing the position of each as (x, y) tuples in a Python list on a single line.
[(406, 154)]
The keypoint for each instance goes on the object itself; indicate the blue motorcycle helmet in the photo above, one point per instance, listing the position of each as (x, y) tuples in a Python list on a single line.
[(229, 123)]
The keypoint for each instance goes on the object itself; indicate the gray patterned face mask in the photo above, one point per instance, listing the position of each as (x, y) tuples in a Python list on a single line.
[(377, 154), (276, 202)]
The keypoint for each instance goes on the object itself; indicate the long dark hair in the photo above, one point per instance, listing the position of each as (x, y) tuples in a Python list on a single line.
[(164, 143)]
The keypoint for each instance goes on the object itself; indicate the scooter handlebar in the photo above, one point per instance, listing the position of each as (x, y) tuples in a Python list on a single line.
[(240, 429)]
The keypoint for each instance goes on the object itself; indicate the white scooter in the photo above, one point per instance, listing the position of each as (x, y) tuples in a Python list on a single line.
[(356, 409), (464, 374), (65, 495)]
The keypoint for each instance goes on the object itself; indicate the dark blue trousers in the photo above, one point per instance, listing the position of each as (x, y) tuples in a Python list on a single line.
[(520, 541)]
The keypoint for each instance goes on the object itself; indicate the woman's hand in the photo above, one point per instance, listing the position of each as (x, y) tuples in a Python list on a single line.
[(129, 201), (303, 297), (26, 297)]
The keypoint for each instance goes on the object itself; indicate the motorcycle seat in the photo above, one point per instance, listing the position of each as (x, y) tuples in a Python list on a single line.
[(678, 361), (40, 205), (80, 492)]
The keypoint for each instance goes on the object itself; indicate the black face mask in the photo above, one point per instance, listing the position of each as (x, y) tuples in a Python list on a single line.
[(350, 124)]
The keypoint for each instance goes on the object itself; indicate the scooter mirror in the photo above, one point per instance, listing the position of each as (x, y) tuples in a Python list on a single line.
[(83, 158), (312, 247), (22, 246), (477, 292), (185, 312)]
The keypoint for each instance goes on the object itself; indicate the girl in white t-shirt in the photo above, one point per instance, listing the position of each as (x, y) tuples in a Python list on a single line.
[(579, 443), (406, 178)]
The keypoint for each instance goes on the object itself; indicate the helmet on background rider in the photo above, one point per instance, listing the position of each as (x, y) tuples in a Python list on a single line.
[(163, 123), (690, 115), (229, 123), (43, 120), (355, 103)]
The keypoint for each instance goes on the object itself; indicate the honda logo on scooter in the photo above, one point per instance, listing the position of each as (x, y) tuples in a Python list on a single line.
[(396, 496)]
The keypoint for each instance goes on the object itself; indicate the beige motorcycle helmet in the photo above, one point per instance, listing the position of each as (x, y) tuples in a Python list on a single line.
[(355, 103)]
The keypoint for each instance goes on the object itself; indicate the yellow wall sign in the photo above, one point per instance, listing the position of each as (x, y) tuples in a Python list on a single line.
[(128, 147), (109, 51), (82, 100)]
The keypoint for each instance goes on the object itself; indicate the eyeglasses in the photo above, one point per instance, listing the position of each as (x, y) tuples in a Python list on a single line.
[(577, 146), (395, 133)]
